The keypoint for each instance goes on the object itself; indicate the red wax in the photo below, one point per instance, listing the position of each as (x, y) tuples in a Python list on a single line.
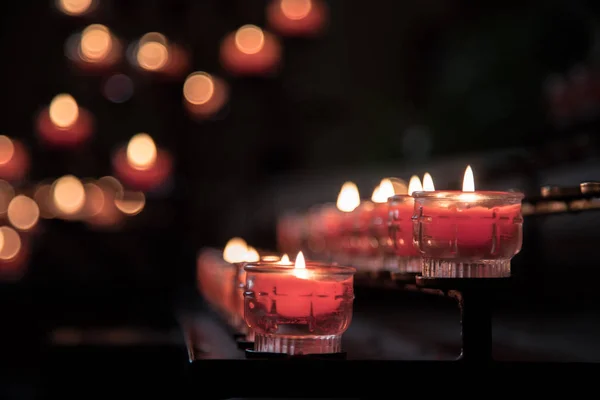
[(401, 225), (308, 25), (17, 166), (265, 61), (68, 137), (142, 179), (379, 226), (293, 296), (468, 228)]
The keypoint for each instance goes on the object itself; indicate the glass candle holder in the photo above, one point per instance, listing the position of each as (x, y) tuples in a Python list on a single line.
[(298, 310), (467, 234), (407, 256)]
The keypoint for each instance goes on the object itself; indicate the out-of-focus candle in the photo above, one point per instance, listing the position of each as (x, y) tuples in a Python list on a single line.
[(250, 51), (298, 309), (341, 221), (467, 233), (141, 165), (378, 223), (297, 17), (64, 124), (14, 160)]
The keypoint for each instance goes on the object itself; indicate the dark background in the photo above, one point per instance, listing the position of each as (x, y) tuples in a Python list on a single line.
[(390, 88)]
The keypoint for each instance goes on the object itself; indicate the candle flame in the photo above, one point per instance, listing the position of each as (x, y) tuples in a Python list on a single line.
[(468, 180), (300, 267), (285, 259), (141, 151), (428, 183), (383, 192), (414, 185), (348, 198), (235, 250), (252, 255), (270, 258)]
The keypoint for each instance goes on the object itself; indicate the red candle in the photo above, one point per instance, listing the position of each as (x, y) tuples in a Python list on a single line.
[(14, 160), (250, 51), (297, 17), (141, 166), (64, 123), (467, 233), (292, 308)]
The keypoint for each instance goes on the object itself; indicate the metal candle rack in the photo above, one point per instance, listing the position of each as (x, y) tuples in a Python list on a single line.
[(473, 295)]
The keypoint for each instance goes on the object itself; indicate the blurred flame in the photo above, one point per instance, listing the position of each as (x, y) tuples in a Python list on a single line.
[(68, 195), (130, 203), (300, 267), (468, 180), (375, 197), (198, 88), (384, 191), (270, 258), (295, 9), (74, 7), (141, 151), (63, 110), (285, 259), (153, 53), (252, 255), (96, 43), (348, 198), (23, 212), (428, 183), (235, 250), (11, 243), (414, 185), (7, 149), (249, 39)]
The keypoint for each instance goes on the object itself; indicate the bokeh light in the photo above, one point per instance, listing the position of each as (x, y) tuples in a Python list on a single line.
[(75, 7), (96, 43), (23, 212), (141, 151), (249, 39), (63, 110), (118, 88), (68, 195), (11, 243)]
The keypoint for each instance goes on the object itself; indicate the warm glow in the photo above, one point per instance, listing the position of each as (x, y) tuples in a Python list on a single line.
[(235, 250), (468, 180), (198, 88), (152, 54), (74, 7), (348, 198), (428, 183), (249, 39), (252, 255), (285, 259), (141, 151), (270, 258), (68, 195), (63, 110), (95, 199), (300, 270), (130, 203), (11, 243), (383, 192), (7, 149), (295, 9), (414, 185), (96, 42), (23, 212)]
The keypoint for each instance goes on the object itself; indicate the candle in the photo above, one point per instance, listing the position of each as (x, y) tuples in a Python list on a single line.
[(380, 217), (64, 124), (141, 165), (467, 233), (297, 17), (300, 309), (341, 221), (14, 159), (250, 51)]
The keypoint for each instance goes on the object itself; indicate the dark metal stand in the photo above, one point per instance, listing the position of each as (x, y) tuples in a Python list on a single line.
[(475, 298)]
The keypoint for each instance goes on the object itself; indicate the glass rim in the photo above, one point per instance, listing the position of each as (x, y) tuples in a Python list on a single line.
[(481, 195), (316, 268)]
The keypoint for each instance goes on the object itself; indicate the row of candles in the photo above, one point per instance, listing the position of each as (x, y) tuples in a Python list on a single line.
[(396, 231), (305, 306)]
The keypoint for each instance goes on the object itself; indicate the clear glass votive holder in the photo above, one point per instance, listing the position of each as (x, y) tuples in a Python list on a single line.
[(407, 258), (467, 234), (298, 310)]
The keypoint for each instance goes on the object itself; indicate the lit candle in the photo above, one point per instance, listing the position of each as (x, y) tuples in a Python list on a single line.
[(299, 309), (250, 51), (343, 220), (14, 159), (467, 233), (141, 165), (64, 124), (378, 223), (297, 17)]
